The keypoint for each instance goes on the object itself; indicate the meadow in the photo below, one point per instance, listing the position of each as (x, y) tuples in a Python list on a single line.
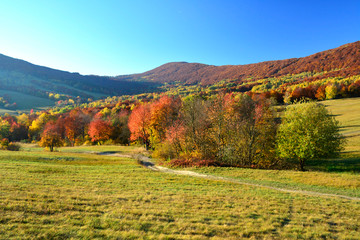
[(75, 193)]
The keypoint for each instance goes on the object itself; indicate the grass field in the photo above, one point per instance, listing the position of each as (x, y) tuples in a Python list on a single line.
[(347, 112), (74, 193), (27, 102), (69, 194)]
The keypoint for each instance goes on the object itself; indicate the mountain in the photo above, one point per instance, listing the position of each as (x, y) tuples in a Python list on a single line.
[(22, 80), (24, 85), (346, 59)]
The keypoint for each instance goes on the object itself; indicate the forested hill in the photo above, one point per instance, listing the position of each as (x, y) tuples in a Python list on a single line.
[(19, 78), (25, 86), (345, 60)]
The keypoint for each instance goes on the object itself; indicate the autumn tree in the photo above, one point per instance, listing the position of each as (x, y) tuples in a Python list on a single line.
[(175, 136), (241, 130), (251, 132), (75, 125), (51, 136), (196, 121), (139, 124), (18, 132), (37, 126), (121, 132), (220, 117), (308, 132), (164, 113), (320, 93), (100, 130), (331, 91)]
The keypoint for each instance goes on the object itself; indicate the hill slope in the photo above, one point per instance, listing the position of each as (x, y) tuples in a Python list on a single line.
[(29, 79), (345, 58), (20, 77)]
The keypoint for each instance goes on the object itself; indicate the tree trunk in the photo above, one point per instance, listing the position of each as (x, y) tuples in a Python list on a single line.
[(301, 164)]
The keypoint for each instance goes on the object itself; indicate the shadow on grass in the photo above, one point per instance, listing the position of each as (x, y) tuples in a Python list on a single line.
[(343, 164)]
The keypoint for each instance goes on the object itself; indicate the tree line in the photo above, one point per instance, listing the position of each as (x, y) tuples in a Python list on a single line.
[(224, 130), (234, 130)]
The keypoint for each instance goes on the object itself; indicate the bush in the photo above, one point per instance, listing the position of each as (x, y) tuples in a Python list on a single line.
[(13, 147), (88, 143), (108, 142), (164, 151), (193, 162), (4, 143)]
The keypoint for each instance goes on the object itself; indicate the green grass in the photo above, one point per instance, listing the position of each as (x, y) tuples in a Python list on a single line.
[(69, 194), (347, 112), (27, 102), (3, 111), (339, 176), (73, 193)]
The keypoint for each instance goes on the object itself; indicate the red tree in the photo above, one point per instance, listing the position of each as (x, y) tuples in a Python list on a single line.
[(51, 136), (100, 130), (139, 124), (75, 125), (163, 114)]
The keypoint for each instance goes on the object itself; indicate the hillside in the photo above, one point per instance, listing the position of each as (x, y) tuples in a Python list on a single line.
[(345, 58), (21, 78)]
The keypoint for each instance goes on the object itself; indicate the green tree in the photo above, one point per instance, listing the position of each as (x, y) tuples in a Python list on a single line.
[(4, 129), (308, 132)]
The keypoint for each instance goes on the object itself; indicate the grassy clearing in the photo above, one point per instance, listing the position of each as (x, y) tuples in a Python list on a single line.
[(27, 102), (336, 183), (347, 112), (75, 195), (3, 111)]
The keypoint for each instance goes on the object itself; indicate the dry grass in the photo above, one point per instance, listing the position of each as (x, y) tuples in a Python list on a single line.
[(347, 112), (83, 196), (70, 194)]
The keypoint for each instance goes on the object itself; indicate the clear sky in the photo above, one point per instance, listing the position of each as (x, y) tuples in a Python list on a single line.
[(113, 37)]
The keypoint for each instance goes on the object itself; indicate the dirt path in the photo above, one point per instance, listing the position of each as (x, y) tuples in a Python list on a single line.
[(146, 162)]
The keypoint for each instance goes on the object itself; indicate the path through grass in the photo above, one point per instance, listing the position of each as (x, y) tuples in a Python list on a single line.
[(86, 196)]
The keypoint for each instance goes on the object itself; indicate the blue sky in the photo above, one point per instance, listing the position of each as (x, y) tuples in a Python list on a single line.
[(113, 37)]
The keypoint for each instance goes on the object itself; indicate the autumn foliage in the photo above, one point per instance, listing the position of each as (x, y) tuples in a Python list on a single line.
[(139, 124), (51, 136), (100, 130)]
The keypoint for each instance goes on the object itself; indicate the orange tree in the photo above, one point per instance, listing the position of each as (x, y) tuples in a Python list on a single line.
[(51, 136), (100, 130)]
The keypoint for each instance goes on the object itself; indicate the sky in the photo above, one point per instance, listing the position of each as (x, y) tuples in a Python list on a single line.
[(116, 37)]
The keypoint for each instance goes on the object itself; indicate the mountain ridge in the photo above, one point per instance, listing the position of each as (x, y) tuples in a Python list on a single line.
[(193, 73), (19, 76)]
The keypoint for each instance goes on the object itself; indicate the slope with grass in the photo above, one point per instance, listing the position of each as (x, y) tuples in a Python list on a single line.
[(75, 194), (347, 112), (35, 81)]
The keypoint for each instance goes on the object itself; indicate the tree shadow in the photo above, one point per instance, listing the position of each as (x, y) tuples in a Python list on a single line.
[(342, 164)]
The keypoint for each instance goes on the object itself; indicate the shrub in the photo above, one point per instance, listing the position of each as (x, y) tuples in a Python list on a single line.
[(13, 147), (192, 162), (108, 142), (4, 143), (164, 151), (88, 143)]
